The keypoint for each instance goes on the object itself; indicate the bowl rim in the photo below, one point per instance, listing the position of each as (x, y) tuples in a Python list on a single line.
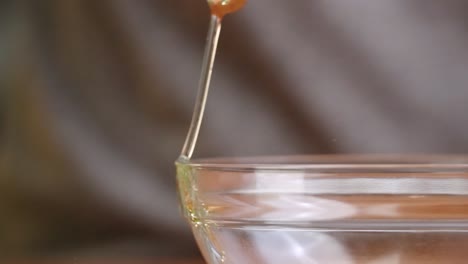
[(335, 162)]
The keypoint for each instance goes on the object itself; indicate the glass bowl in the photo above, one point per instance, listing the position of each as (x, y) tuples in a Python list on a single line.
[(328, 209)]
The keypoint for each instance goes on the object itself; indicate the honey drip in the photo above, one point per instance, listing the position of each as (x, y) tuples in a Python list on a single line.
[(220, 8)]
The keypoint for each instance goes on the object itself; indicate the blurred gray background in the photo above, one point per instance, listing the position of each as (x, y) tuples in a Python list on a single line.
[(96, 98)]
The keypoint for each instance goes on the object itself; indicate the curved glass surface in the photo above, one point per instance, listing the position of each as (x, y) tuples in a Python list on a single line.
[(328, 209)]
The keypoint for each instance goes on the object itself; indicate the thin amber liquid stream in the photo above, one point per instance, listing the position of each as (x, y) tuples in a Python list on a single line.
[(219, 9)]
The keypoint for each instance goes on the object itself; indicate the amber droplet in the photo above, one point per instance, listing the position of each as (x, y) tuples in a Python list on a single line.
[(220, 8)]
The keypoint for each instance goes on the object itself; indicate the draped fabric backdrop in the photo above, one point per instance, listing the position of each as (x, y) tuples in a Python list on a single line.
[(99, 94)]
